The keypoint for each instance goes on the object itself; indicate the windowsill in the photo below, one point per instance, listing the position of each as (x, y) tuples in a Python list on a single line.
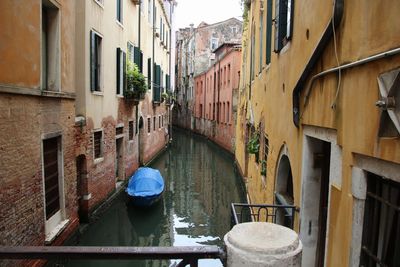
[(99, 4), (55, 232), (99, 93), (120, 96), (98, 160), (120, 24)]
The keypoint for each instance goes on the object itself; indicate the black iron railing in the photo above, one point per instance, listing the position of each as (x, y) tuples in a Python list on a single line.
[(281, 214), (189, 255)]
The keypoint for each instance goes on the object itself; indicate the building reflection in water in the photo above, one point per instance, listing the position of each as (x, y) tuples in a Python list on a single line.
[(201, 182)]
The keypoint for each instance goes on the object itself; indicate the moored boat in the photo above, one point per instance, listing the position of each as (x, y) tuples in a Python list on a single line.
[(145, 187)]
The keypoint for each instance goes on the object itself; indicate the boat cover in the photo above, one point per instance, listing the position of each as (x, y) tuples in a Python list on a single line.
[(145, 182)]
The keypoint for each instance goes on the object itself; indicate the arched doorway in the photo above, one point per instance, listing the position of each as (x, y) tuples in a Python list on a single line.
[(284, 191), (140, 140)]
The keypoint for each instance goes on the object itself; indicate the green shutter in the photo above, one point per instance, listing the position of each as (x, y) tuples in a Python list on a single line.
[(149, 73)]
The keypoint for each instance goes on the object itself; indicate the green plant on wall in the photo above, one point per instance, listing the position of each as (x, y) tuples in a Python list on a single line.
[(253, 146), (135, 82), (263, 168)]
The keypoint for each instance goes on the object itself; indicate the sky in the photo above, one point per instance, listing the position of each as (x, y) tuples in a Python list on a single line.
[(210, 11)]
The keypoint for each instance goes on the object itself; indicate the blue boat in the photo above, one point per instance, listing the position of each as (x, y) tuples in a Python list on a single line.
[(145, 187)]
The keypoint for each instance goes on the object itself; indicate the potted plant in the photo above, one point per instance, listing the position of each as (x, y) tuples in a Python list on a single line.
[(136, 87)]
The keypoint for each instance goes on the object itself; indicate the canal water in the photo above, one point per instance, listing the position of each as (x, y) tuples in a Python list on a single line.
[(200, 181)]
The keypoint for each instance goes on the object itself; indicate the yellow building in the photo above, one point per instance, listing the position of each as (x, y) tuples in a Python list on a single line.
[(318, 93)]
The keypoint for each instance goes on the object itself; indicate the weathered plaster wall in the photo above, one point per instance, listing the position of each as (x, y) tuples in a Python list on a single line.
[(355, 118)]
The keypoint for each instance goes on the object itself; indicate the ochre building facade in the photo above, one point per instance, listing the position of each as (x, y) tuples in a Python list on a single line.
[(318, 90)]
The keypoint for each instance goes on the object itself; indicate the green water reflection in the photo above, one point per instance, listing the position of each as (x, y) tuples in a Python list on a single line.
[(200, 185)]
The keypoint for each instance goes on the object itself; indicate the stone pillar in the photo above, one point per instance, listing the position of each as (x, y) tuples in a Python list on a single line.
[(262, 244)]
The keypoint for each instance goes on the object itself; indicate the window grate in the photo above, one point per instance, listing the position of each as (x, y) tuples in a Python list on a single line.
[(131, 130), (381, 230), (97, 144)]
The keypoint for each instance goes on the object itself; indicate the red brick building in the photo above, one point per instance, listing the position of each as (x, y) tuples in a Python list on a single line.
[(216, 96)]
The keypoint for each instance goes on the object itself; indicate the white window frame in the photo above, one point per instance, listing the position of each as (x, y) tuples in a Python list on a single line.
[(101, 158), (56, 223)]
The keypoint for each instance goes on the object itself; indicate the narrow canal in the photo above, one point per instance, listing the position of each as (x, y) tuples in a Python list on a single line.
[(201, 182)]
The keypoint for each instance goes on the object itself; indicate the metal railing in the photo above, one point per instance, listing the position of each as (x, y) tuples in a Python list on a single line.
[(281, 214), (189, 255)]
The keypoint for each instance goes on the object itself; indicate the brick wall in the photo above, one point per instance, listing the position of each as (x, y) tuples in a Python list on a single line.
[(156, 140), (23, 121)]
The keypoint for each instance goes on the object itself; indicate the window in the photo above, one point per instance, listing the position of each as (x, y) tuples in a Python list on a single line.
[(229, 74), (224, 75), (119, 11), (227, 112), (252, 52), (266, 151), (162, 120), (95, 61), (148, 125), (283, 23), (269, 31), (131, 52), (161, 29), (223, 113), (51, 173), (201, 110), (50, 47), (97, 144), (121, 71), (119, 130), (131, 129), (214, 44), (149, 6), (381, 230), (149, 73), (154, 123), (234, 30)]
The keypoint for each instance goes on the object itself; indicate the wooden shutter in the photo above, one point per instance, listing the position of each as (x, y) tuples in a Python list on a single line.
[(141, 62), (149, 73), (118, 69), (92, 61)]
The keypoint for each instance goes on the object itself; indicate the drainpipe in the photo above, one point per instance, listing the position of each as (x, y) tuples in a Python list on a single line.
[(316, 55), (152, 57), (139, 22), (219, 80), (137, 107)]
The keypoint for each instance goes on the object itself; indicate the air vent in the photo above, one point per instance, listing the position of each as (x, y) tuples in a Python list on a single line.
[(389, 103)]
